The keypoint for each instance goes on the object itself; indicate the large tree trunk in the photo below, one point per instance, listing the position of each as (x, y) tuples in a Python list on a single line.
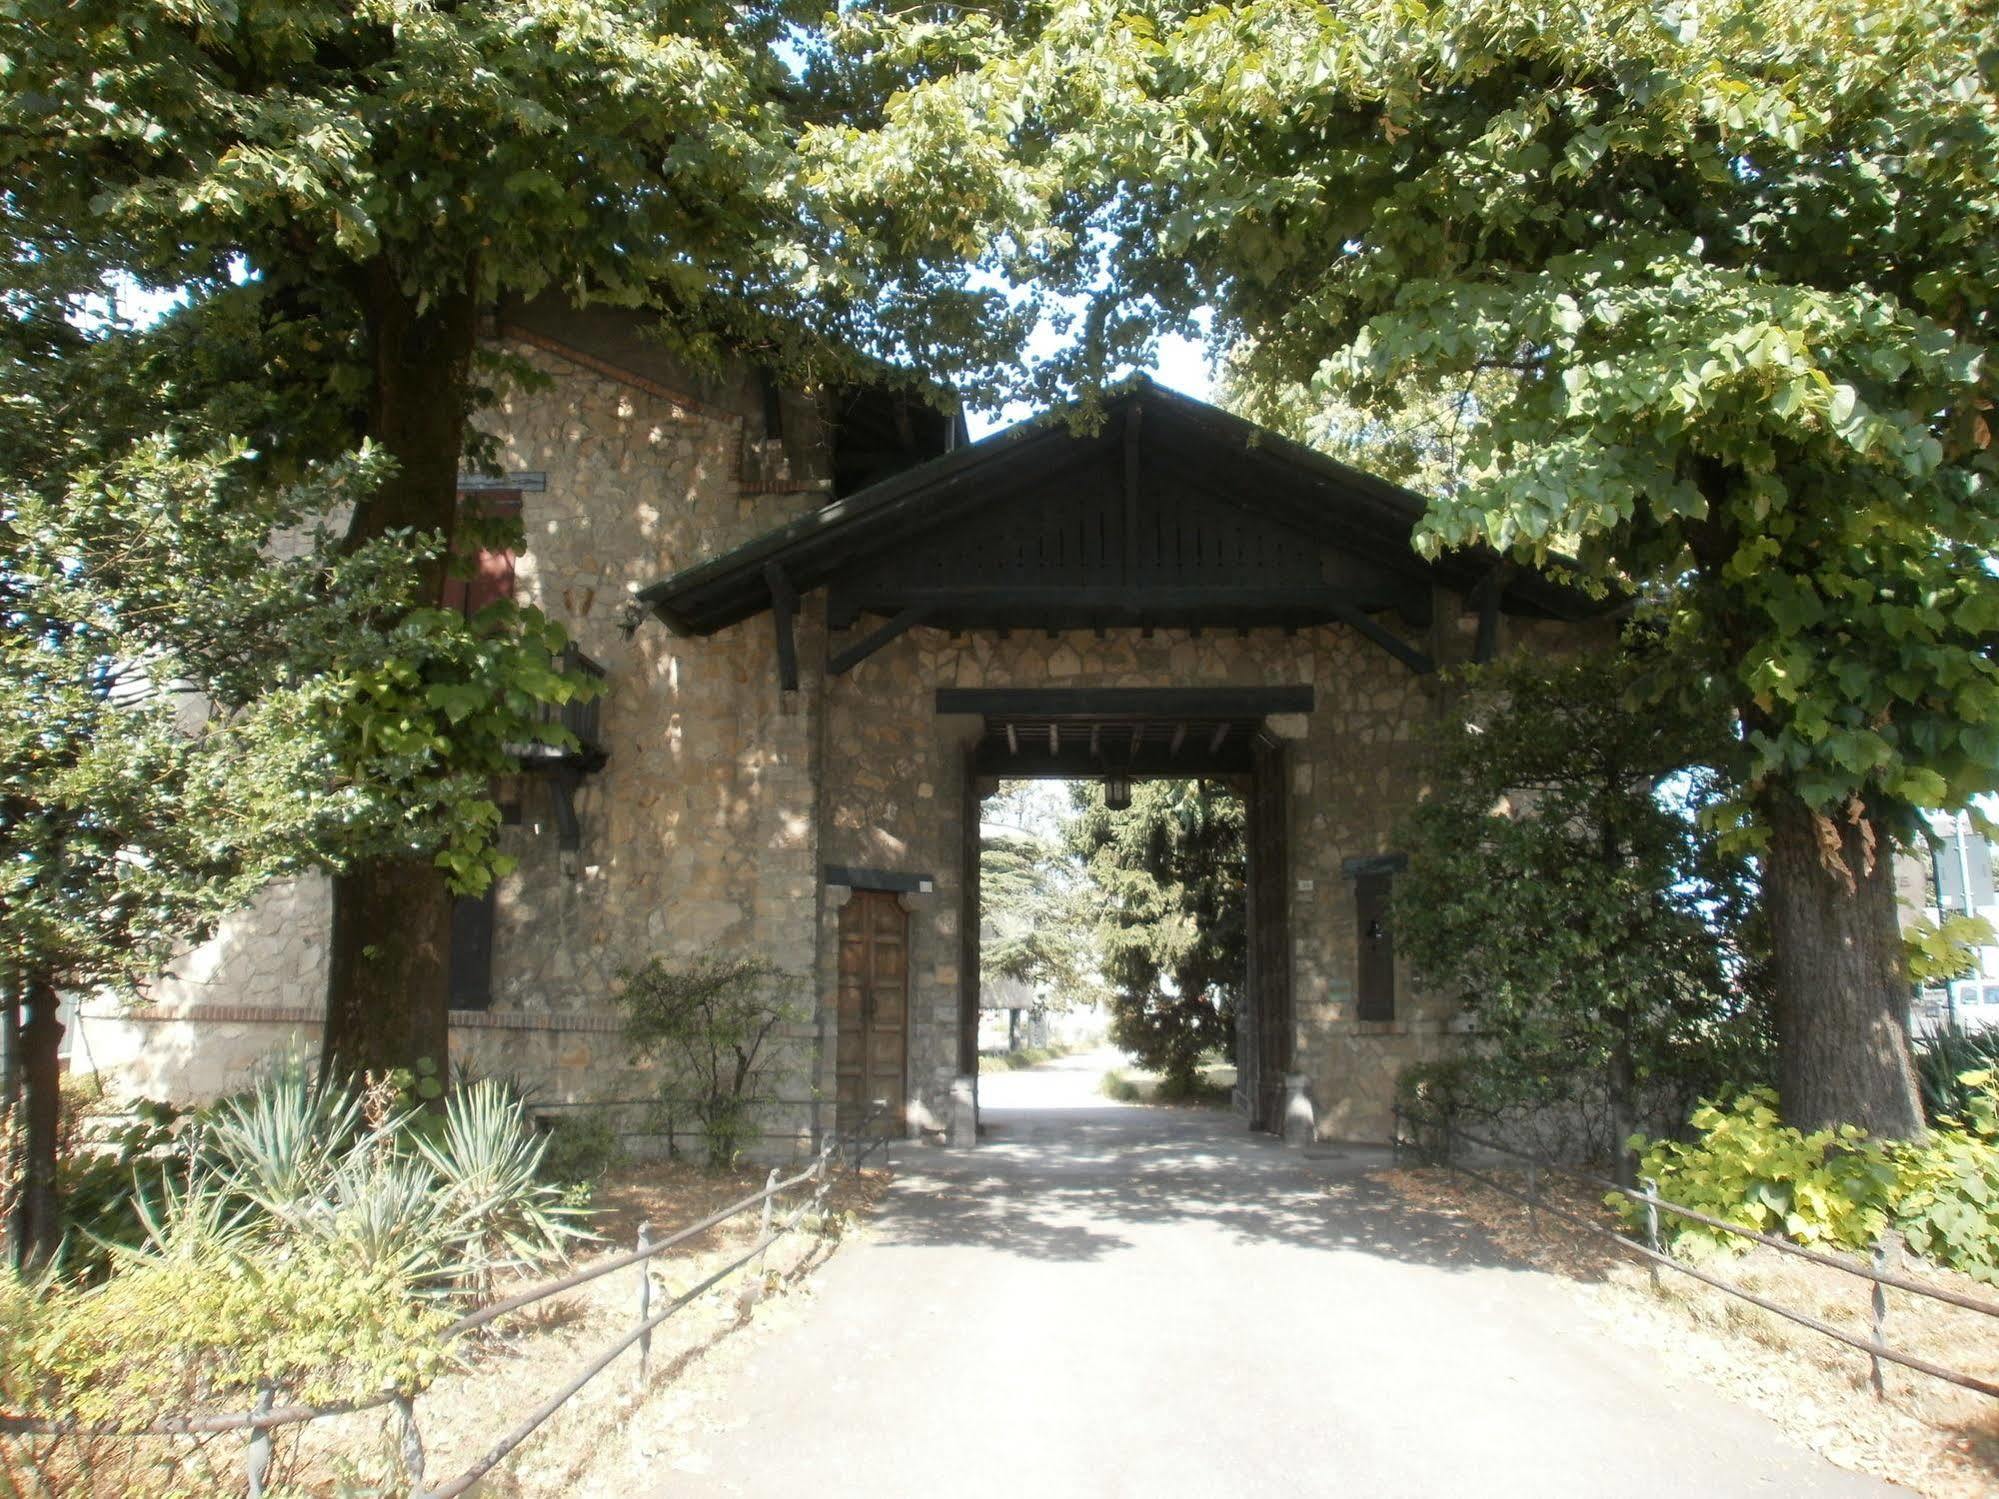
[(387, 997), (36, 1231), (388, 975), (1842, 981), (1623, 1101)]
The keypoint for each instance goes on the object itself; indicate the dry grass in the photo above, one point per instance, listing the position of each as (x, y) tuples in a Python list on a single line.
[(1934, 1437), (523, 1359)]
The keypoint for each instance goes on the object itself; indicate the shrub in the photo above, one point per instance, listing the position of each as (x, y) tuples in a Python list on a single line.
[(579, 1149), (1837, 1188), (711, 1022), (1943, 1058), (1831, 1187), (1948, 1206)]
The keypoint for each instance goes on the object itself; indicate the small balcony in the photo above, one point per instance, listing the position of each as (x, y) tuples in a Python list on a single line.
[(583, 717)]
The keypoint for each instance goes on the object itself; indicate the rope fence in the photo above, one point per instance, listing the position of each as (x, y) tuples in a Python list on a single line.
[(1656, 1254), (848, 1152)]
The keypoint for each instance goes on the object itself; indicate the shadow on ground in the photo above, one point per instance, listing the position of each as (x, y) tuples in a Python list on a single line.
[(1063, 1184)]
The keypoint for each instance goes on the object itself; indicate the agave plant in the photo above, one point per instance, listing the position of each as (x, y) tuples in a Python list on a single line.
[(1943, 1057), (280, 1143), (196, 1218), (383, 1211), (485, 1159)]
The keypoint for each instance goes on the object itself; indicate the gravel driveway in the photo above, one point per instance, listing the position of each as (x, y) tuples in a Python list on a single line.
[(1112, 1300)]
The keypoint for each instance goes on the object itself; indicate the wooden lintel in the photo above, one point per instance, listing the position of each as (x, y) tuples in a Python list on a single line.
[(784, 614), (1221, 733), (865, 647), (1417, 661), (1179, 738), (1101, 704)]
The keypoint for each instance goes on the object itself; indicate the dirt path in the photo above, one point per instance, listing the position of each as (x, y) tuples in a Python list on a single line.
[(1120, 1301)]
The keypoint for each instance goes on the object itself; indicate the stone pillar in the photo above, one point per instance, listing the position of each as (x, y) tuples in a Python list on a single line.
[(964, 1125), (1298, 1120)]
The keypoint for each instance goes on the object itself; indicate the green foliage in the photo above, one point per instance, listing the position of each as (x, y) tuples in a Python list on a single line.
[(580, 1148), (310, 1241), (1716, 281), (1939, 953), (306, 1320), (1034, 925), (1948, 1201), (1169, 876), (1837, 1188), (1722, 279), (1943, 1057), (1830, 1187), (165, 724), (1597, 932), (711, 1021)]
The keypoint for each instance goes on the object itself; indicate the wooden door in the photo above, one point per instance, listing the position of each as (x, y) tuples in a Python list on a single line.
[(872, 1059)]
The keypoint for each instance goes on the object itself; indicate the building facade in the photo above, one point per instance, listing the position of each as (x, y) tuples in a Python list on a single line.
[(827, 626)]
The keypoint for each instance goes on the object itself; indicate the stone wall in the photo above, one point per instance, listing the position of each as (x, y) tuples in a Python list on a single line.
[(892, 801), (697, 837)]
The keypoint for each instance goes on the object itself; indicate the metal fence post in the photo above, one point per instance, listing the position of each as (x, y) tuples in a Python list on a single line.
[(645, 1303), (763, 1224), (1651, 1187), (1880, 1321), (409, 1440), (257, 1462)]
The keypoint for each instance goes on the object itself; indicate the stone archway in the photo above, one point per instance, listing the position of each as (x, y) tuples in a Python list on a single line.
[(1151, 733)]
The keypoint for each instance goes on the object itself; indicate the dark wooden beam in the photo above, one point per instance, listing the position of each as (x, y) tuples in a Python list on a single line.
[(1105, 703), (1179, 738), (783, 613), (1074, 762), (1096, 738), (1221, 733), (1137, 736), (1417, 661), (1133, 453), (868, 644), (1486, 596)]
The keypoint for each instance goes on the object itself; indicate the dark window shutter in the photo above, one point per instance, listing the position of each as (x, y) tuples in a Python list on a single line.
[(1376, 993), (492, 576), (472, 952)]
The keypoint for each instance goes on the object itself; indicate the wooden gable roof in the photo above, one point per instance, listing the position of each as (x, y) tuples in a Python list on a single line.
[(1172, 514)]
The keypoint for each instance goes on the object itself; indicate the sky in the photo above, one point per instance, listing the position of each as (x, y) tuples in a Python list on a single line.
[(1182, 365)]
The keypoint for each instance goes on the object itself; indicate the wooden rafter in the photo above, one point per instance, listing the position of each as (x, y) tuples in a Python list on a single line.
[(1417, 661), (874, 640), (784, 614)]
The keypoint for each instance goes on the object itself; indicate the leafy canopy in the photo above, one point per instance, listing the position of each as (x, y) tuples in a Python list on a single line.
[(1170, 876), (1726, 271), (1590, 923)]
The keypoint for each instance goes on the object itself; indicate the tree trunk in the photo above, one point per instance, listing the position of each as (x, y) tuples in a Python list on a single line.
[(1623, 1101), (37, 1227), (387, 1002), (1842, 980), (388, 973)]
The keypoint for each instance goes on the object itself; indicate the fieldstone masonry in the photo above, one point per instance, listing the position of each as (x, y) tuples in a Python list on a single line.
[(724, 799)]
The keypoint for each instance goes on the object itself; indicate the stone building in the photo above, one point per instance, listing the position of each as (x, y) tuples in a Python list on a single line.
[(849, 623)]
